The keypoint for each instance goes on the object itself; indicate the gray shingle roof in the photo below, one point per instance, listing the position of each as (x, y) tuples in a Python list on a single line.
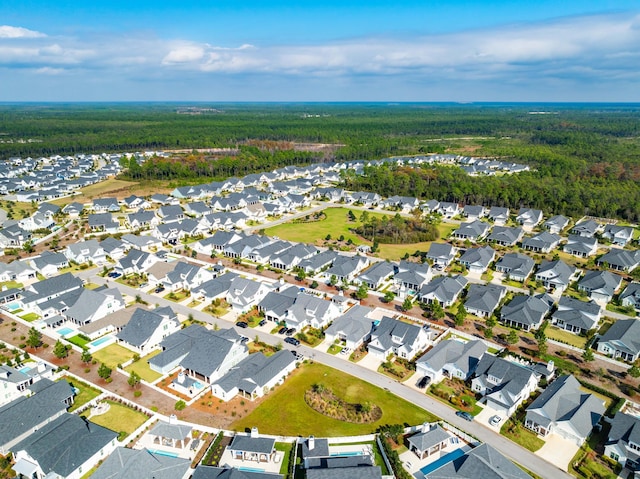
[(260, 445), (528, 310), (483, 462), (125, 463), (486, 298), (255, 371), (210, 472), (426, 440), (464, 356), (624, 334)]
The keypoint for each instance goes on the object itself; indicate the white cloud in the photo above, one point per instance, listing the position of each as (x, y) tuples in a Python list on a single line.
[(7, 31)]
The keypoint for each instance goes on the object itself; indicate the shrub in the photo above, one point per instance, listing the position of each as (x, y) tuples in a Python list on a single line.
[(137, 393), (180, 405)]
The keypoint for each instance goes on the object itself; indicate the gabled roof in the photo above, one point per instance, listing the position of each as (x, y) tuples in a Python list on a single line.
[(484, 297), (263, 445), (444, 288), (210, 472), (464, 355), (143, 324), (483, 462), (425, 440), (255, 371), (624, 335), (441, 251), (516, 264), (481, 256), (125, 463), (582, 314), (556, 272), (528, 310), (624, 428), (542, 241), (505, 234), (354, 324), (621, 258)]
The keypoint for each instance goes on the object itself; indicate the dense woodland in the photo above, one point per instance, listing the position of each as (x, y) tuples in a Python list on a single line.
[(586, 158), (397, 230)]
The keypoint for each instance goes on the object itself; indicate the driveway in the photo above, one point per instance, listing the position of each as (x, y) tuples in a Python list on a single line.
[(558, 451), (486, 414), (370, 362)]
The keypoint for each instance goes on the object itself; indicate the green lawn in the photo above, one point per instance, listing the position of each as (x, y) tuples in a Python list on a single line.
[(113, 355), (78, 340), (334, 349), (121, 419), (142, 368), (11, 284), (287, 449), (86, 394), (520, 435), (30, 317), (566, 337), (285, 412)]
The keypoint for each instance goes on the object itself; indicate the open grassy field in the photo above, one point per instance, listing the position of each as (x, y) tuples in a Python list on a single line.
[(285, 412), (121, 419), (113, 355), (115, 188), (142, 368), (336, 223)]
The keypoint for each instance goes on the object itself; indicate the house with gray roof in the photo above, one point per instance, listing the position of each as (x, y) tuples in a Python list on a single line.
[(498, 215), (565, 409), (245, 246), (87, 251), (556, 224), (345, 268), (473, 231), (623, 441), (529, 217), (135, 261), (556, 275), (404, 340), (474, 212), (581, 246), (481, 462), (186, 276), (448, 210), (503, 384), (477, 260), (515, 266), (254, 376), (631, 296), (526, 312), (48, 263), (142, 219), (91, 305), (319, 463), (451, 359), (13, 235), (68, 446), (146, 329), (620, 259), (622, 340), (142, 242), (310, 310), (253, 448), (74, 209), (245, 293), (114, 248), (431, 440), (441, 253), (103, 222), (376, 275), (587, 228), (48, 289), (618, 235), (214, 288), (103, 205), (412, 276), (211, 472), (317, 262), (353, 327), (505, 235), (576, 316), (542, 242), (600, 285), (483, 299), (443, 289), (292, 257), (127, 463)]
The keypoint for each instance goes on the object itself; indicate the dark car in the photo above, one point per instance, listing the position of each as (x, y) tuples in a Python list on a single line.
[(464, 415), (424, 382), (244, 340), (282, 330), (292, 340), (262, 322), (242, 324), (290, 331), (159, 289)]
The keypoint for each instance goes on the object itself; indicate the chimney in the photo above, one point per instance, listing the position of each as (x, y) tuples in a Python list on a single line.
[(426, 427), (41, 367), (181, 377), (173, 419), (551, 365), (311, 442), (254, 432)]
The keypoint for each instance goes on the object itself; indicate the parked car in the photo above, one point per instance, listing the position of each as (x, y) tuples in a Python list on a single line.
[(290, 331), (159, 289), (143, 285), (282, 330), (464, 415), (345, 351), (292, 340), (244, 340), (262, 322), (495, 420), (424, 382), (242, 324)]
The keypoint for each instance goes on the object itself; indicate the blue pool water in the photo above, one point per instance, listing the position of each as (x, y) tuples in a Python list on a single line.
[(163, 453), (65, 331), (250, 469), (452, 456), (346, 454), (12, 306), (25, 369), (100, 341), (197, 385)]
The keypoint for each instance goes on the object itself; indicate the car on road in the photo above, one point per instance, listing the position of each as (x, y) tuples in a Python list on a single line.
[(242, 324), (282, 330), (424, 382), (292, 340), (464, 415), (495, 420), (159, 289)]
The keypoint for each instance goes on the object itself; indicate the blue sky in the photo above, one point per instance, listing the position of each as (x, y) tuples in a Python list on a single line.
[(429, 50)]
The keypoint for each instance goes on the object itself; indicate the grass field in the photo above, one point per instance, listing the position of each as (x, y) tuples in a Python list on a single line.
[(285, 412), (113, 355), (79, 341), (30, 317), (114, 188), (566, 337), (336, 224), (121, 419), (86, 393), (142, 368)]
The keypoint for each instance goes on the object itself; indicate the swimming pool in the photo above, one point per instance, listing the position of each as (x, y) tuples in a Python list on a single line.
[(250, 469), (12, 306), (197, 385), (64, 331), (163, 453), (346, 454), (446, 459), (25, 369), (100, 341)]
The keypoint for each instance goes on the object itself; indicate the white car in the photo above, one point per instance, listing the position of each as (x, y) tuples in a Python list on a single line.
[(495, 420)]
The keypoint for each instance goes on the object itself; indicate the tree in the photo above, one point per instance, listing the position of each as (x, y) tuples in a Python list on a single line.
[(34, 339), (314, 285), (86, 356), (542, 346), (389, 296), (437, 311), (104, 371), (460, 316), (588, 355), (407, 304), (60, 350), (351, 216), (634, 371), (362, 292), (333, 280), (488, 333), (513, 337), (134, 379), (491, 321)]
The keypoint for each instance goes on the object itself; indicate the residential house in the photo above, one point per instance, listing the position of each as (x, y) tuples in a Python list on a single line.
[(245, 293), (290, 258), (515, 266), (86, 305), (214, 288), (556, 275), (473, 231), (275, 304), (448, 210), (141, 242), (411, 276), (103, 222), (429, 441), (565, 409), (526, 312), (376, 275), (618, 235), (345, 268), (622, 340), (542, 242), (146, 329), (310, 310), (600, 285), (623, 441), (74, 209), (48, 264), (477, 260), (444, 290), (87, 251), (142, 219), (404, 340), (254, 376), (576, 316), (441, 254), (503, 384), (135, 262), (126, 463), (631, 296), (211, 472), (48, 289), (136, 202), (587, 229), (114, 248), (105, 205), (498, 215), (556, 224), (13, 236), (582, 246), (483, 299), (474, 212), (170, 213), (186, 276), (451, 359), (620, 260), (528, 217), (505, 236), (353, 328)]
